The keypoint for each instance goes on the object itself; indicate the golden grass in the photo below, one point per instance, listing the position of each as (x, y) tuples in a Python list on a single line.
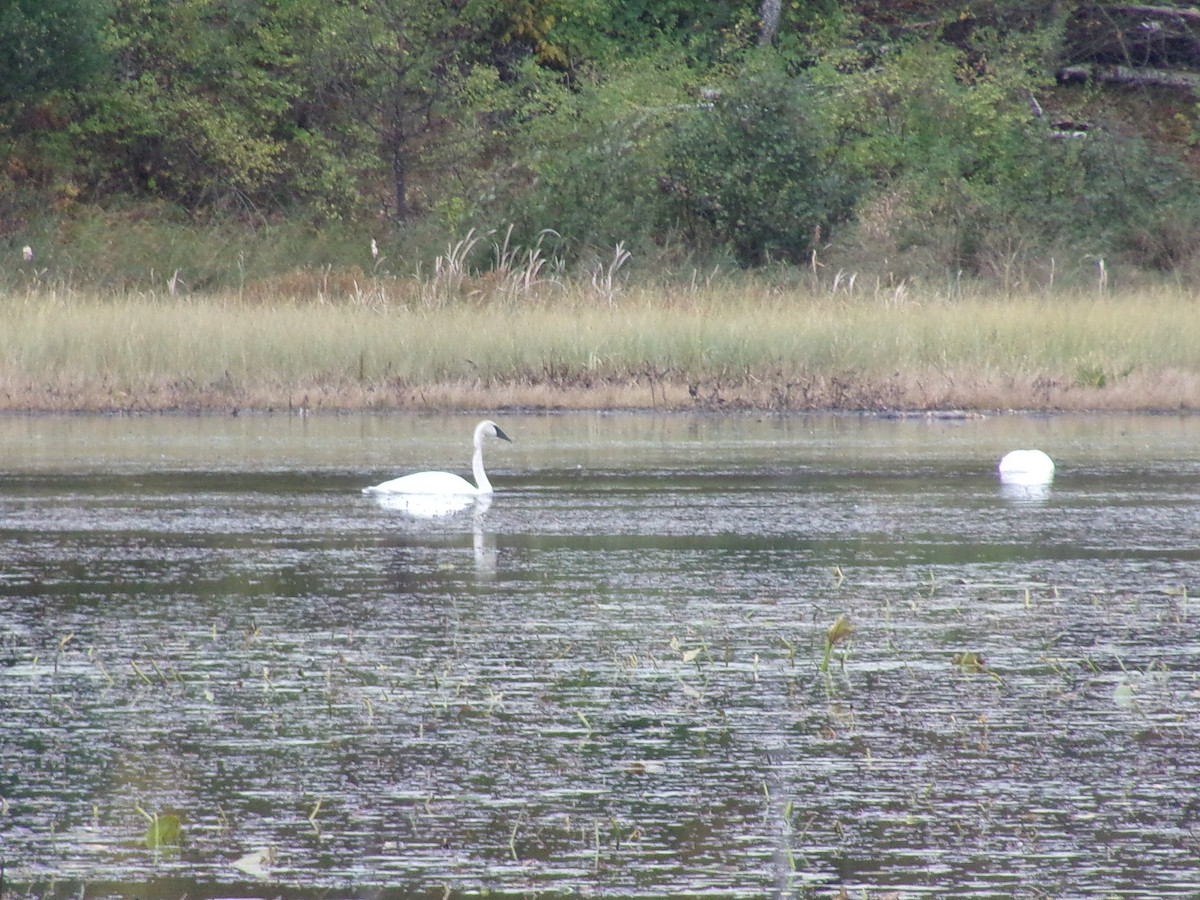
[(721, 346)]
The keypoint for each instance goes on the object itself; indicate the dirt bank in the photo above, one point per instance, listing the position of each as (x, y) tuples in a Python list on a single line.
[(925, 392)]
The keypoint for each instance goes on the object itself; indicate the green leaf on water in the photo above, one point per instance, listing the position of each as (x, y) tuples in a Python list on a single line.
[(1123, 695), (164, 831)]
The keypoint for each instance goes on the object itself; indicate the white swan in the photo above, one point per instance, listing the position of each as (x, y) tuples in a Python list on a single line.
[(1026, 467), (445, 483)]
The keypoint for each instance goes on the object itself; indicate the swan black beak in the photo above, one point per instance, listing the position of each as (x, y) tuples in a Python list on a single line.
[(500, 434)]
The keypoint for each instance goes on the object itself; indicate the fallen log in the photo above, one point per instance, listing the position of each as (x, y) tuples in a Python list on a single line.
[(1150, 13), (1130, 77)]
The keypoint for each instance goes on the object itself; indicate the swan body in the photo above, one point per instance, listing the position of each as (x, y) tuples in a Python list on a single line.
[(1026, 467), (446, 484)]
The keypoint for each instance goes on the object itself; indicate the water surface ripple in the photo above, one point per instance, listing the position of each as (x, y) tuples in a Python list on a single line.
[(610, 680)]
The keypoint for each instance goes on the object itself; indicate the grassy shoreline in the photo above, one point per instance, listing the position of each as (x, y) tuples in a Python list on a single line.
[(724, 347)]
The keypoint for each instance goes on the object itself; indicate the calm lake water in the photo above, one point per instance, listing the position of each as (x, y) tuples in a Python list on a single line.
[(615, 679)]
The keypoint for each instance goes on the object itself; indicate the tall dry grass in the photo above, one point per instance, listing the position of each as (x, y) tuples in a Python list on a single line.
[(531, 337)]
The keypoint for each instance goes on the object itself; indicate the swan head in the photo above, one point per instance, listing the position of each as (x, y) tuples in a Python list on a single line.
[(488, 428)]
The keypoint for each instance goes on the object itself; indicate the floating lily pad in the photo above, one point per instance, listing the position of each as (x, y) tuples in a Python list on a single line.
[(164, 831)]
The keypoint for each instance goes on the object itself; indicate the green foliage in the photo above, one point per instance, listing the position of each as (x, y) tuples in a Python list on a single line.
[(577, 35), (969, 180), (611, 32), (754, 170), (608, 122), (589, 165), (254, 107), (200, 110), (1103, 194), (47, 46), (923, 111), (396, 71), (164, 832)]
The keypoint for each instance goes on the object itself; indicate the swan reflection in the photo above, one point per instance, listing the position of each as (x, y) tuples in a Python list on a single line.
[(426, 506), (434, 508), (1034, 494), (486, 554)]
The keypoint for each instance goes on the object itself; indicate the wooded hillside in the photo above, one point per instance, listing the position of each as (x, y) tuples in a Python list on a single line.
[(920, 137)]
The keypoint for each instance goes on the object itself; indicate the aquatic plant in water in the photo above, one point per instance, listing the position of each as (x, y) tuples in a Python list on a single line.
[(839, 633)]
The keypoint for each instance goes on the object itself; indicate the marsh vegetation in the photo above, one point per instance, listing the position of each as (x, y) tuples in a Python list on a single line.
[(490, 341)]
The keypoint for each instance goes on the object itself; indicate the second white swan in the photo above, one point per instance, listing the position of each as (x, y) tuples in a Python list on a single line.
[(1026, 467), (447, 483)]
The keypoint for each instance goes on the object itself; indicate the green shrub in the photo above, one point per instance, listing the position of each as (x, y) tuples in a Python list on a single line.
[(753, 169), (966, 179), (588, 161)]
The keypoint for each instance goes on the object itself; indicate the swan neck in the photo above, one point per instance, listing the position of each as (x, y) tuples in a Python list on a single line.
[(481, 480)]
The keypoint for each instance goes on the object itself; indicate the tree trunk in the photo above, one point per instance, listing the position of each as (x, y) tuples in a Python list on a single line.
[(769, 17), (400, 181)]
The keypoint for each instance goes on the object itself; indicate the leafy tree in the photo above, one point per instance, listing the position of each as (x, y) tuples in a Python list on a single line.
[(397, 72), (588, 161), (47, 46), (605, 33), (219, 101), (753, 170), (199, 109), (1106, 194), (966, 176)]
